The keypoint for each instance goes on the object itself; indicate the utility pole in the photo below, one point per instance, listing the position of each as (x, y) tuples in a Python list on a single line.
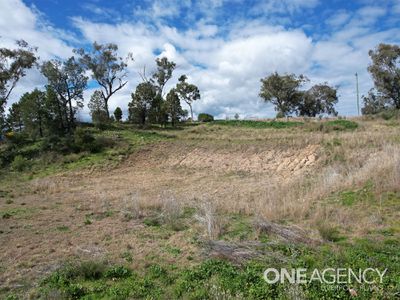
[(358, 95)]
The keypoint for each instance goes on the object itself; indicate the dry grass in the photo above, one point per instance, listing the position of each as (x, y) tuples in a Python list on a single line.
[(262, 172), (208, 217)]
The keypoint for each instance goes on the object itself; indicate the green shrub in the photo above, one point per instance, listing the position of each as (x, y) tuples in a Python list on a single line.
[(17, 138), (20, 163), (7, 155), (342, 125), (329, 233), (85, 141), (63, 145), (203, 117), (118, 272)]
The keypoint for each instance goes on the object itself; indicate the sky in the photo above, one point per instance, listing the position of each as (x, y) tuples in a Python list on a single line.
[(224, 47)]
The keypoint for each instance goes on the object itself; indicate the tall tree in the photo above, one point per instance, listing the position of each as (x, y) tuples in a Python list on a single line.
[(163, 73), (373, 103), (56, 112), (14, 117), (98, 109), (173, 107), (68, 81), (187, 92), (320, 99), (33, 112), (385, 71), (107, 68), (118, 114), (13, 66), (159, 79), (140, 105), (282, 91)]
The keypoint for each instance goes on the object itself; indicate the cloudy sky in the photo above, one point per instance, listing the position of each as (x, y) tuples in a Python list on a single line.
[(224, 47)]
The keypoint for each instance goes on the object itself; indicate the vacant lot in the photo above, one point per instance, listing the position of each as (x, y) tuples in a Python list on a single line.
[(193, 199)]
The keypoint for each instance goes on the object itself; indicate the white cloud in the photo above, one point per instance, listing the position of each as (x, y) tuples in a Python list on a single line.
[(283, 6), (338, 19), (225, 61)]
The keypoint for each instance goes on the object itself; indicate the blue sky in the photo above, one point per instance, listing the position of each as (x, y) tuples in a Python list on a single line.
[(224, 47)]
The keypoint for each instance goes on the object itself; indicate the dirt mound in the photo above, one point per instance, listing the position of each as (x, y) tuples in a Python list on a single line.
[(276, 161)]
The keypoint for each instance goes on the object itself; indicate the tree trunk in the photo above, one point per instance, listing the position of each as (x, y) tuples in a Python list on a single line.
[(191, 111), (40, 126), (60, 115), (106, 107), (71, 117)]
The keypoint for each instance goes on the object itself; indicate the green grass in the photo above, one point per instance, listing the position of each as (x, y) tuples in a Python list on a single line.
[(219, 279), (17, 213), (126, 139), (340, 125), (257, 124)]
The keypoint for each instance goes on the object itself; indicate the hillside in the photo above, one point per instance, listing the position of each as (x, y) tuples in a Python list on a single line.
[(201, 211)]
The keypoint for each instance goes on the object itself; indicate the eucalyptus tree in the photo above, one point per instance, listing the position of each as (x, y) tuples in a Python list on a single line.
[(283, 91), (187, 92), (106, 67), (385, 71), (13, 66), (319, 99)]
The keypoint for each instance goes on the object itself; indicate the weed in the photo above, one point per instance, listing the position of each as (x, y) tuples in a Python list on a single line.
[(152, 221), (63, 228), (20, 163), (127, 255), (87, 221), (118, 272), (208, 217), (329, 233)]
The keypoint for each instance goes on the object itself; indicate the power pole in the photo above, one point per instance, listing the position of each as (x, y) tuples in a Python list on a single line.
[(358, 95)]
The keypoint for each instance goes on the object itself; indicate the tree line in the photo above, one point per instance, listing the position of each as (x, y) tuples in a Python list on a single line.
[(286, 94), (53, 111)]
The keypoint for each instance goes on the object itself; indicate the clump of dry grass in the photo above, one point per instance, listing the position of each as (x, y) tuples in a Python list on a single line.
[(208, 217), (132, 207), (171, 210)]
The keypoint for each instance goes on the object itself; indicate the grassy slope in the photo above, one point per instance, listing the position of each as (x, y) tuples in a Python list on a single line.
[(176, 266)]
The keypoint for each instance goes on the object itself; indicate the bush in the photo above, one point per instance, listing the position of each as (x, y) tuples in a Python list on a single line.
[(203, 117), (17, 139), (7, 155), (19, 163), (389, 114), (85, 141), (63, 145), (118, 272), (329, 233)]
